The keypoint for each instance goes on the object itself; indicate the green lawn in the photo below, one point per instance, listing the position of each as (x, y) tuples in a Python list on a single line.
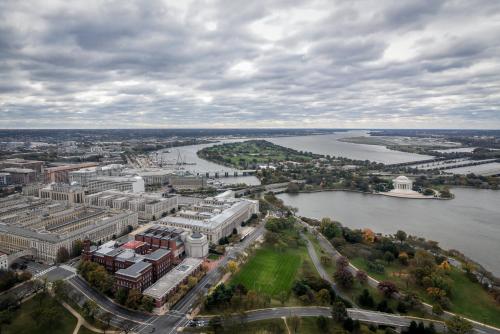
[(24, 322), (270, 271), (468, 299)]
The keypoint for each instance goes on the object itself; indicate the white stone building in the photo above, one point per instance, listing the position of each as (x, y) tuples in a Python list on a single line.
[(196, 245), (149, 207), (402, 184), (216, 217)]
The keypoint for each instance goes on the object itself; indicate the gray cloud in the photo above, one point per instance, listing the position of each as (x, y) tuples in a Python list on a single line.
[(248, 63)]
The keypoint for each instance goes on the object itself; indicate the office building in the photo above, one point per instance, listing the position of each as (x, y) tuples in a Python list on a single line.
[(60, 174), (63, 192), (216, 217), (5, 179), (44, 226), (149, 207), (20, 176)]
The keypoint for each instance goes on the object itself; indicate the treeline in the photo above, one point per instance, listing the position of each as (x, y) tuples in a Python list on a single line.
[(425, 264), (9, 278)]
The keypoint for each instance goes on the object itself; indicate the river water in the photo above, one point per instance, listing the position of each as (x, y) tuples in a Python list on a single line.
[(330, 145), (469, 223), (320, 144)]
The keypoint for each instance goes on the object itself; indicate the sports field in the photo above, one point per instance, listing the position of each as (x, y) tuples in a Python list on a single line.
[(270, 271)]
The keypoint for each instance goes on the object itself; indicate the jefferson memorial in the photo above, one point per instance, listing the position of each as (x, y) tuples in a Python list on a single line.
[(402, 184)]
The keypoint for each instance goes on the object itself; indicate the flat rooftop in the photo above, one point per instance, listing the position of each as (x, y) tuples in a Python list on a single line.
[(134, 270), (173, 278)]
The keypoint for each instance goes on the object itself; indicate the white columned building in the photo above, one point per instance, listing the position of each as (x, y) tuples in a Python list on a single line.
[(402, 184)]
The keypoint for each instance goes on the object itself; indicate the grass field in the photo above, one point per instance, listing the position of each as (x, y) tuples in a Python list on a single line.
[(468, 299), (23, 322), (270, 271)]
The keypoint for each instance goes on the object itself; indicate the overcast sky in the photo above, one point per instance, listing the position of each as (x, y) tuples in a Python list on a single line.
[(355, 64)]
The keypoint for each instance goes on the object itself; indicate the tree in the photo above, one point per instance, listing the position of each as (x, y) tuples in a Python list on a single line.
[(147, 304), (469, 267), (133, 299), (232, 266), (437, 309), (401, 236), (77, 248), (365, 299), (282, 297), (388, 257), (344, 278), (368, 236), (121, 295), (342, 262), (62, 255), (403, 258), (361, 276), (60, 289), (458, 325), (387, 288), (90, 309), (192, 281), (339, 312), (323, 296)]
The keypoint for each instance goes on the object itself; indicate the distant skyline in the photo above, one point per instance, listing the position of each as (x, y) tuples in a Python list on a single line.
[(250, 64)]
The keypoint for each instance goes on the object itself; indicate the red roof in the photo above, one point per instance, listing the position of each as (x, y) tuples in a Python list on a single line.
[(134, 244)]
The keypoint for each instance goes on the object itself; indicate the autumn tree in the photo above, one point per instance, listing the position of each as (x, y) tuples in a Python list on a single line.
[(344, 278), (368, 236), (388, 288), (342, 262), (232, 267), (361, 276)]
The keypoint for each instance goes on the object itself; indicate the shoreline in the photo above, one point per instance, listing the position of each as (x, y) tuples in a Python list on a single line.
[(366, 193)]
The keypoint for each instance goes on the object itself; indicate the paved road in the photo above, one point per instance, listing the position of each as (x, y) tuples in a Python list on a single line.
[(322, 272), (368, 317)]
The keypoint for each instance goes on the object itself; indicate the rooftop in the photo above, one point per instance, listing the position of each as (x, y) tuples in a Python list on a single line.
[(173, 278), (134, 270), (157, 254)]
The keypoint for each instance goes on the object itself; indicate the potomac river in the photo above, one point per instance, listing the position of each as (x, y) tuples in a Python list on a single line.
[(469, 223)]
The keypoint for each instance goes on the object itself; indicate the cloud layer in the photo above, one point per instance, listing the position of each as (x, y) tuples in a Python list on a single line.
[(103, 64)]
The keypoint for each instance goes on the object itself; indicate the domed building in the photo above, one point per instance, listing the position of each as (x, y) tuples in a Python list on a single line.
[(196, 245), (402, 184)]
